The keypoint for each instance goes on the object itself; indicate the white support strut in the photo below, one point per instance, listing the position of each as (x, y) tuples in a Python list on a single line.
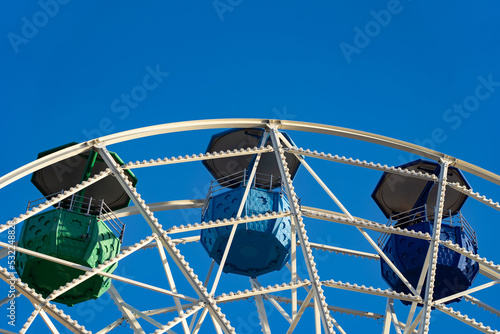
[(166, 241), (434, 249), (296, 216), (202, 301)]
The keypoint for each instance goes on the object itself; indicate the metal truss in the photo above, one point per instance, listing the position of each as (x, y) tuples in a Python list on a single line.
[(297, 300)]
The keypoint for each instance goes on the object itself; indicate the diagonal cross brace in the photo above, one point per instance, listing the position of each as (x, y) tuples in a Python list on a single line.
[(166, 241), (307, 252)]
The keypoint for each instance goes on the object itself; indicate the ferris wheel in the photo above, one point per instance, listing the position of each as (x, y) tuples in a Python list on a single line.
[(249, 254)]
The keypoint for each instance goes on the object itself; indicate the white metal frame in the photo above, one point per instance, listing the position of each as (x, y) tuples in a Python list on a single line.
[(206, 302)]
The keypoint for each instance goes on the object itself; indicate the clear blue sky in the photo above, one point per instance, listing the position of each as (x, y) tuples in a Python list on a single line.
[(421, 71)]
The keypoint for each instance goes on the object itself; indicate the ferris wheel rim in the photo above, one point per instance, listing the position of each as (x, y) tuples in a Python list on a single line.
[(207, 124), (225, 123)]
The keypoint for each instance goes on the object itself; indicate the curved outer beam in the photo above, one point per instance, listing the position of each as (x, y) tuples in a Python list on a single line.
[(244, 123), (42, 162), (390, 142)]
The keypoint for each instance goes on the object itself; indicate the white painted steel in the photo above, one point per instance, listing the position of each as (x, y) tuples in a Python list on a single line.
[(420, 284), (296, 217), (238, 215), (129, 315), (165, 240), (206, 304), (244, 123), (434, 248), (256, 284), (171, 283)]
